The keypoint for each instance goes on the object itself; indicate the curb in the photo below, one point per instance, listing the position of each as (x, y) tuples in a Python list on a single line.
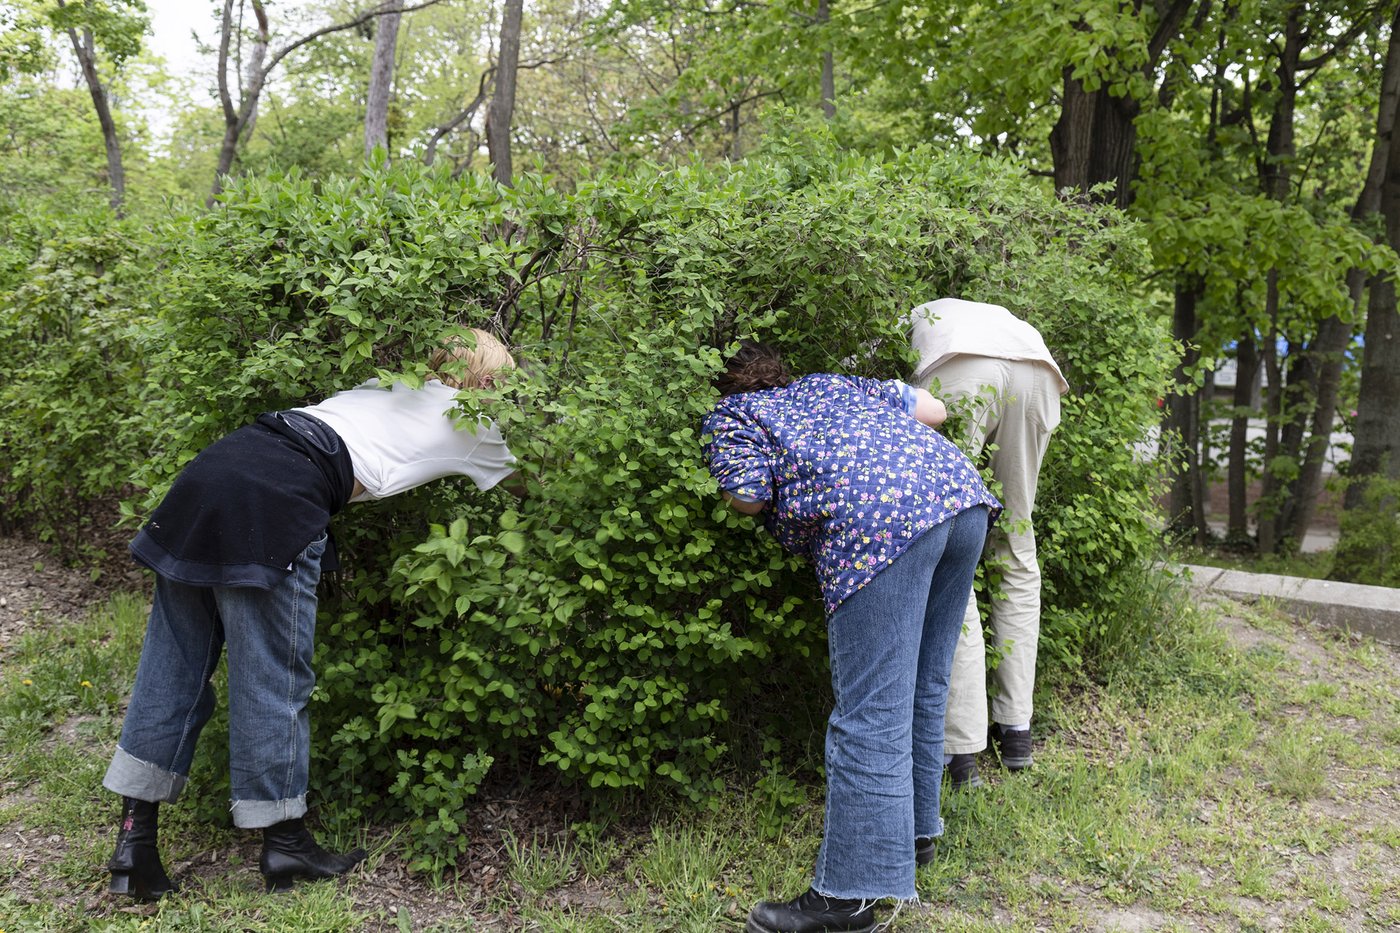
[(1371, 610)]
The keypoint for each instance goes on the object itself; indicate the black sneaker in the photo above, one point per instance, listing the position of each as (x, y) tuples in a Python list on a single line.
[(811, 912), (925, 848), (1013, 747), (962, 772)]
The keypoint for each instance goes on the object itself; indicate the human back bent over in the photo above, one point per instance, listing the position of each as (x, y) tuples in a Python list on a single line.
[(238, 546), (849, 472), (984, 355)]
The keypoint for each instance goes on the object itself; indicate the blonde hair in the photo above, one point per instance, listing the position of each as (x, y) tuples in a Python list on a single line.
[(463, 366)]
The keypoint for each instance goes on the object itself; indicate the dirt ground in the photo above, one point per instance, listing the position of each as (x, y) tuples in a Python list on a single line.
[(33, 584)]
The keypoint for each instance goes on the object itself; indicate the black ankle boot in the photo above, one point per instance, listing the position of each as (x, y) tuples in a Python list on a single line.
[(135, 865), (811, 912), (290, 853)]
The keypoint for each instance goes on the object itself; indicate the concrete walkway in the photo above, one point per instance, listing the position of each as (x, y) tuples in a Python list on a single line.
[(1371, 610)]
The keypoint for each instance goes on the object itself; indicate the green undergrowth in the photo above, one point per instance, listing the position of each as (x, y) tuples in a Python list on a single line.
[(618, 627), (1236, 777), (1314, 565)]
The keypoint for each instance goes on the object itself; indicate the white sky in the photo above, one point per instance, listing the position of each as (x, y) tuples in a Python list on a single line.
[(171, 23)]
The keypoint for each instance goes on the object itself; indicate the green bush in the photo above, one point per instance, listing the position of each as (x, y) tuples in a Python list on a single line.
[(619, 625), (1368, 548), (74, 300)]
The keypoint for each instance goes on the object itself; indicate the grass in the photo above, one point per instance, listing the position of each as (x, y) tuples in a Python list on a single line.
[(1218, 783), (1314, 565)]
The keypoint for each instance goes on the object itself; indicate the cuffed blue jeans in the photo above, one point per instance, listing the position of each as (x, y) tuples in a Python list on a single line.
[(891, 645), (270, 636)]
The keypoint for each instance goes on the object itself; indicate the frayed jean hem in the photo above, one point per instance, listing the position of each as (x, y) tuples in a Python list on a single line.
[(132, 777), (259, 814)]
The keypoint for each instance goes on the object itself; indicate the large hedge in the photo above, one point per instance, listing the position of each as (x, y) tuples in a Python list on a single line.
[(619, 624), (74, 305)]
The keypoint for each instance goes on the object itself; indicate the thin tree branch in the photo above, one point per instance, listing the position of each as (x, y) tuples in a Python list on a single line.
[(778, 92), (225, 33), (431, 152), (1370, 20), (1167, 29), (382, 10)]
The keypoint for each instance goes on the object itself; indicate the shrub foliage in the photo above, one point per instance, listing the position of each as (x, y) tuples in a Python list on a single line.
[(618, 624)]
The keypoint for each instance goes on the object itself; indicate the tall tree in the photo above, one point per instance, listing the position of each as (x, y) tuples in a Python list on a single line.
[(828, 85), (1376, 450), (502, 111), (1326, 357), (381, 77), (1094, 141), (120, 25), (250, 80)]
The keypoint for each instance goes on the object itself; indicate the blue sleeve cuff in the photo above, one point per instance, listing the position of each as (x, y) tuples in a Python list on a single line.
[(910, 396)]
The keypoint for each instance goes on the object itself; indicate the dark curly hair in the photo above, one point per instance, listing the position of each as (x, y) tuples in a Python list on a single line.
[(754, 366)]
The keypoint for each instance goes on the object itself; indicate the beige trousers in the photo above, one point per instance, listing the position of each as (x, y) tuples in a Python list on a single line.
[(1014, 405)]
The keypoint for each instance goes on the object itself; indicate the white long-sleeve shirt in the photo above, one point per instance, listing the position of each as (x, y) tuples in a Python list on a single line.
[(399, 438), (951, 326)]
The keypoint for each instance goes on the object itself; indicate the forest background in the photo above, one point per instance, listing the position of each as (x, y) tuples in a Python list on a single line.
[(623, 189)]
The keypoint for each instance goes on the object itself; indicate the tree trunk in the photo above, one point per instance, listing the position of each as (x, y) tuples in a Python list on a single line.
[(828, 85), (238, 119), (84, 49), (1094, 141), (1376, 451), (1200, 492), (498, 119), (1333, 337), (1187, 511), (1376, 448), (381, 78), (1273, 414), (1237, 479), (1095, 138), (1274, 176)]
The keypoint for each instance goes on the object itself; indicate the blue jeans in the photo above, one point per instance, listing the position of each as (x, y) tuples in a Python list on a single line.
[(270, 635), (891, 646)]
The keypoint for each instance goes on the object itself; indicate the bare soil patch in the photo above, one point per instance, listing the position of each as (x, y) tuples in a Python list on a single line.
[(34, 584)]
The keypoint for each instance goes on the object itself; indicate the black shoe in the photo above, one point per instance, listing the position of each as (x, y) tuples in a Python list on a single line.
[(135, 865), (1013, 747), (290, 853), (962, 772), (812, 913), (925, 848)]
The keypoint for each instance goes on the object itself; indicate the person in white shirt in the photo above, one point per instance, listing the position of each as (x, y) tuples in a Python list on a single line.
[(238, 546), (1000, 365), (398, 438)]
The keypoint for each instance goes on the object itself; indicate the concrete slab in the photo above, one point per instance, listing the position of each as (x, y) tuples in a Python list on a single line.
[(1372, 610)]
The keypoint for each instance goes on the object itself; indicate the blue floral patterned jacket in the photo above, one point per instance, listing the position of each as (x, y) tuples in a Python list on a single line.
[(850, 477)]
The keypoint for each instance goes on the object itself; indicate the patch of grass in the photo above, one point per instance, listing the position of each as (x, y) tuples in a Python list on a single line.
[(1315, 565), (1185, 790), (59, 671), (1322, 889), (539, 866), (1294, 765)]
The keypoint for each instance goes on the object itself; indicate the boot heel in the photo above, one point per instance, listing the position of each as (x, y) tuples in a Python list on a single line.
[(135, 865), (280, 884)]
